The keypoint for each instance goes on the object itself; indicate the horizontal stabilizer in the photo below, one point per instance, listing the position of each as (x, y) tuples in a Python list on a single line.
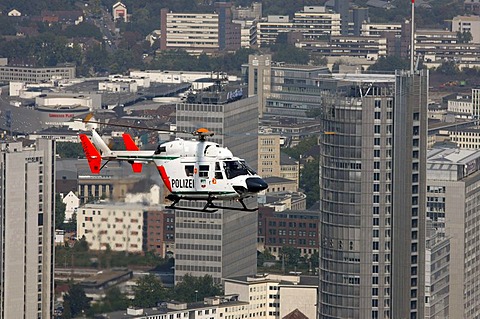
[(93, 155)]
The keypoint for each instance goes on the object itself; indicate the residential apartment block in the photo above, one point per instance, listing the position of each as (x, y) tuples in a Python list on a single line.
[(27, 229), (118, 226)]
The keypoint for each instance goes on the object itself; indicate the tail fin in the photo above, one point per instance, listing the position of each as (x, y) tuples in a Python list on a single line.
[(129, 143), (131, 146), (93, 155)]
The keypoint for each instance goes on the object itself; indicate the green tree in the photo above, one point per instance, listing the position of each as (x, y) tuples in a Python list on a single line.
[(59, 211), (264, 256), (76, 300), (69, 150), (314, 259), (81, 245), (309, 181), (83, 29), (114, 300), (71, 225), (196, 288), (291, 255), (464, 37), (149, 291), (289, 54), (448, 68), (389, 64), (301, 148)]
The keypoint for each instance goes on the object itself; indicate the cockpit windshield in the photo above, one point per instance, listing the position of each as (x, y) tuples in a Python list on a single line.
[(236, 168)]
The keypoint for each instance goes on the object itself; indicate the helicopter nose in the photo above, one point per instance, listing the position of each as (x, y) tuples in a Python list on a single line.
[(255, 184)]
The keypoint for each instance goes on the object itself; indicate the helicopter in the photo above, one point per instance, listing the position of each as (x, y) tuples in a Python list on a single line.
[(192, 170)]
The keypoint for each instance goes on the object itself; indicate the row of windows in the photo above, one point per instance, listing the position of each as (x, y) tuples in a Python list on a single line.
[(197, 268)]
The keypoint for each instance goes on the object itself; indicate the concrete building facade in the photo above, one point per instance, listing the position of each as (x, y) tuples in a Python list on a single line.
[(207, 243), (372, 237), (200, 32), (275, 296), (27, 223), (35, 75), (283, 90), (453, 193)]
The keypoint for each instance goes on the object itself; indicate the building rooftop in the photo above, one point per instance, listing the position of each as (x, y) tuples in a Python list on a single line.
[(452, 155)]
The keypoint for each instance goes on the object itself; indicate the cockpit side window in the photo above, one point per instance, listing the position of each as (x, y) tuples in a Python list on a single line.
[(234, 169), (218, 171), (189, 170), (160, 149)]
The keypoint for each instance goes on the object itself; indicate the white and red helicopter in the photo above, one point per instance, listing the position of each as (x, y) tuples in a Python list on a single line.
[(194, 170)]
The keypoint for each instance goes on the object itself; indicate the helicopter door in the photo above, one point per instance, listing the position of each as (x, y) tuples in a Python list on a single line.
[(203, 176)]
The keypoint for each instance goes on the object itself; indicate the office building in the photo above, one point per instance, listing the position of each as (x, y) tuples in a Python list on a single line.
[(372, 197), (35, 75), (226, 111), (200, 32), (27, 229), (283, 90), (316, 22), (272, 296), (269, 28), (292, 228), (470, 24), (453, 195), (208, 243)]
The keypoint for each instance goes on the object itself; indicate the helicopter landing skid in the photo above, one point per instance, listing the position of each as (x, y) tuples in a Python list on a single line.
[(176, 199)]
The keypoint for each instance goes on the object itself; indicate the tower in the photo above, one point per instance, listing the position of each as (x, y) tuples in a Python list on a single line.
[(27, 223), (224, 243), (372, 199)]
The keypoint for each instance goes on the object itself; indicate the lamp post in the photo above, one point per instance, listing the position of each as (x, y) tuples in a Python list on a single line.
[(196, 295)]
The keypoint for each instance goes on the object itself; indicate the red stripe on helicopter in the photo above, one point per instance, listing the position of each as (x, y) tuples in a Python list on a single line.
[(165, 178)]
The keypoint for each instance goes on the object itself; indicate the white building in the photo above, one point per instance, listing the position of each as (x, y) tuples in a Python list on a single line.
[(275, 296), (467, 24), (178, 76), (453, 202), (14, 13), (116, 225), (269, 28), (72, 203), (316, 22), (118, 86), (119, 12), (27, 223)]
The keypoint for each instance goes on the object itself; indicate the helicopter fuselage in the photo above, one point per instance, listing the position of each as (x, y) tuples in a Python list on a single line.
[(192, 169)]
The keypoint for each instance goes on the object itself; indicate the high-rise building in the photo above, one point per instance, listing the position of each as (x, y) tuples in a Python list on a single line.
[(224, 243), (372, 197), (453, 197), (27, 225), (283, 90)]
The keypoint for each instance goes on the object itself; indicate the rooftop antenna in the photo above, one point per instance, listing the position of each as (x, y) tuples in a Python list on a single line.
[(412, 38)]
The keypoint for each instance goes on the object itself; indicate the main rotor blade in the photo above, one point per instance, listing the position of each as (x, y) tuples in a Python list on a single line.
[(132, 126)]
